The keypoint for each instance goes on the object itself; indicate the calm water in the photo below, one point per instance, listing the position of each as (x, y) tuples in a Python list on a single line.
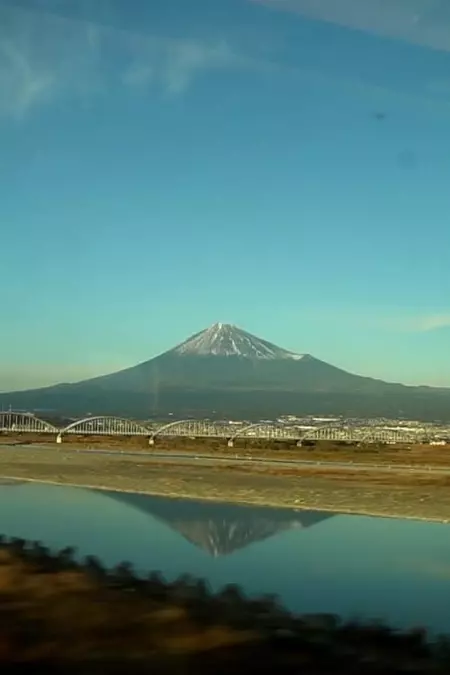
[(356, 566)]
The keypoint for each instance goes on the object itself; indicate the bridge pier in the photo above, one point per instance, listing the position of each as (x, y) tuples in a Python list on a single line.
[(59, 438), (230, 443), (151, 441), (299, 444)]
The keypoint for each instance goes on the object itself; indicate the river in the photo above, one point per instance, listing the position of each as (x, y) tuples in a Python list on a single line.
[(364, 567)]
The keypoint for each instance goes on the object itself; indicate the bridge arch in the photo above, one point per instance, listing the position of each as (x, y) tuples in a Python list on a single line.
[(269, 431), (104, 425), (166, 427), (327, 432), (189, 428), (25, 422)]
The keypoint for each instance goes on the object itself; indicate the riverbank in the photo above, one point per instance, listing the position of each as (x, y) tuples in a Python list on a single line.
[(63, 616), (327, 451), (396, 494)]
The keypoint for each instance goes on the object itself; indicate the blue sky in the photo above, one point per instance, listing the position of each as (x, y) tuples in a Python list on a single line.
[(167, 165)]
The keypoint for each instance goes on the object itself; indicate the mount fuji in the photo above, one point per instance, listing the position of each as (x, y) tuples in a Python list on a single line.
[(224, 371)]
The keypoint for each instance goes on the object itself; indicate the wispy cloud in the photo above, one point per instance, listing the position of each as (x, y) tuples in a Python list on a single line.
[(427, 323), (174, 64), (22, 84), (421, 323), (423, 22), (381, 318), (43, 56)]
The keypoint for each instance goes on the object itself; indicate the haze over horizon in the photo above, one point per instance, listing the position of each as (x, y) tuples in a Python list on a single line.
[(166, 166)]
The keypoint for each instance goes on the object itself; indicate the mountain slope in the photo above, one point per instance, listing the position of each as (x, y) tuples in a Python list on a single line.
[(225, 371), (226, 357)]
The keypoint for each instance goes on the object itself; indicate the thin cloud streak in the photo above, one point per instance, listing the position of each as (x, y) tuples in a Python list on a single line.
[(174, 64), (401, 321), (423, 324), (22, 84), (408, 323), (44, 56)]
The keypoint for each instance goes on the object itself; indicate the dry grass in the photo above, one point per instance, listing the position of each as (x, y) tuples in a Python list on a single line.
[(420, 455), (394, 478)]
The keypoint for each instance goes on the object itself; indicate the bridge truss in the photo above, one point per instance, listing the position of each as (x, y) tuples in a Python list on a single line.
[(345, 434), (24, 423), (103, 425), (266, 431), (362, 435), (191, 429)]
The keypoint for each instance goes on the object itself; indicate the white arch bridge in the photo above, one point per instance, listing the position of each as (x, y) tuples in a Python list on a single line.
[(104, 425)]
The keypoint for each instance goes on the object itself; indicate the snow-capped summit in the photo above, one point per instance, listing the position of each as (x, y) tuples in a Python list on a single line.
[(224, 339)]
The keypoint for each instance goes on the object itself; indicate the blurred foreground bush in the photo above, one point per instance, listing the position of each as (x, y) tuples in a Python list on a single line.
[(57, 615)]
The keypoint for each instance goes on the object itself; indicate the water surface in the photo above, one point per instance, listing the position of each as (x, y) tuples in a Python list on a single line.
[(316, 562)]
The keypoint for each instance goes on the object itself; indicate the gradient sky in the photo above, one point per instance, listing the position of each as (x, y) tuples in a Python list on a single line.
[(168, 164)]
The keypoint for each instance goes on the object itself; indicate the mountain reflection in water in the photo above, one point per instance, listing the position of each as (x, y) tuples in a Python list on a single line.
[(220, 529)]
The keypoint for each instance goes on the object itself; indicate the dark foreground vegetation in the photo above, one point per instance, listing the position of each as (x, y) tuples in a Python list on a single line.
[(57, 615)]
